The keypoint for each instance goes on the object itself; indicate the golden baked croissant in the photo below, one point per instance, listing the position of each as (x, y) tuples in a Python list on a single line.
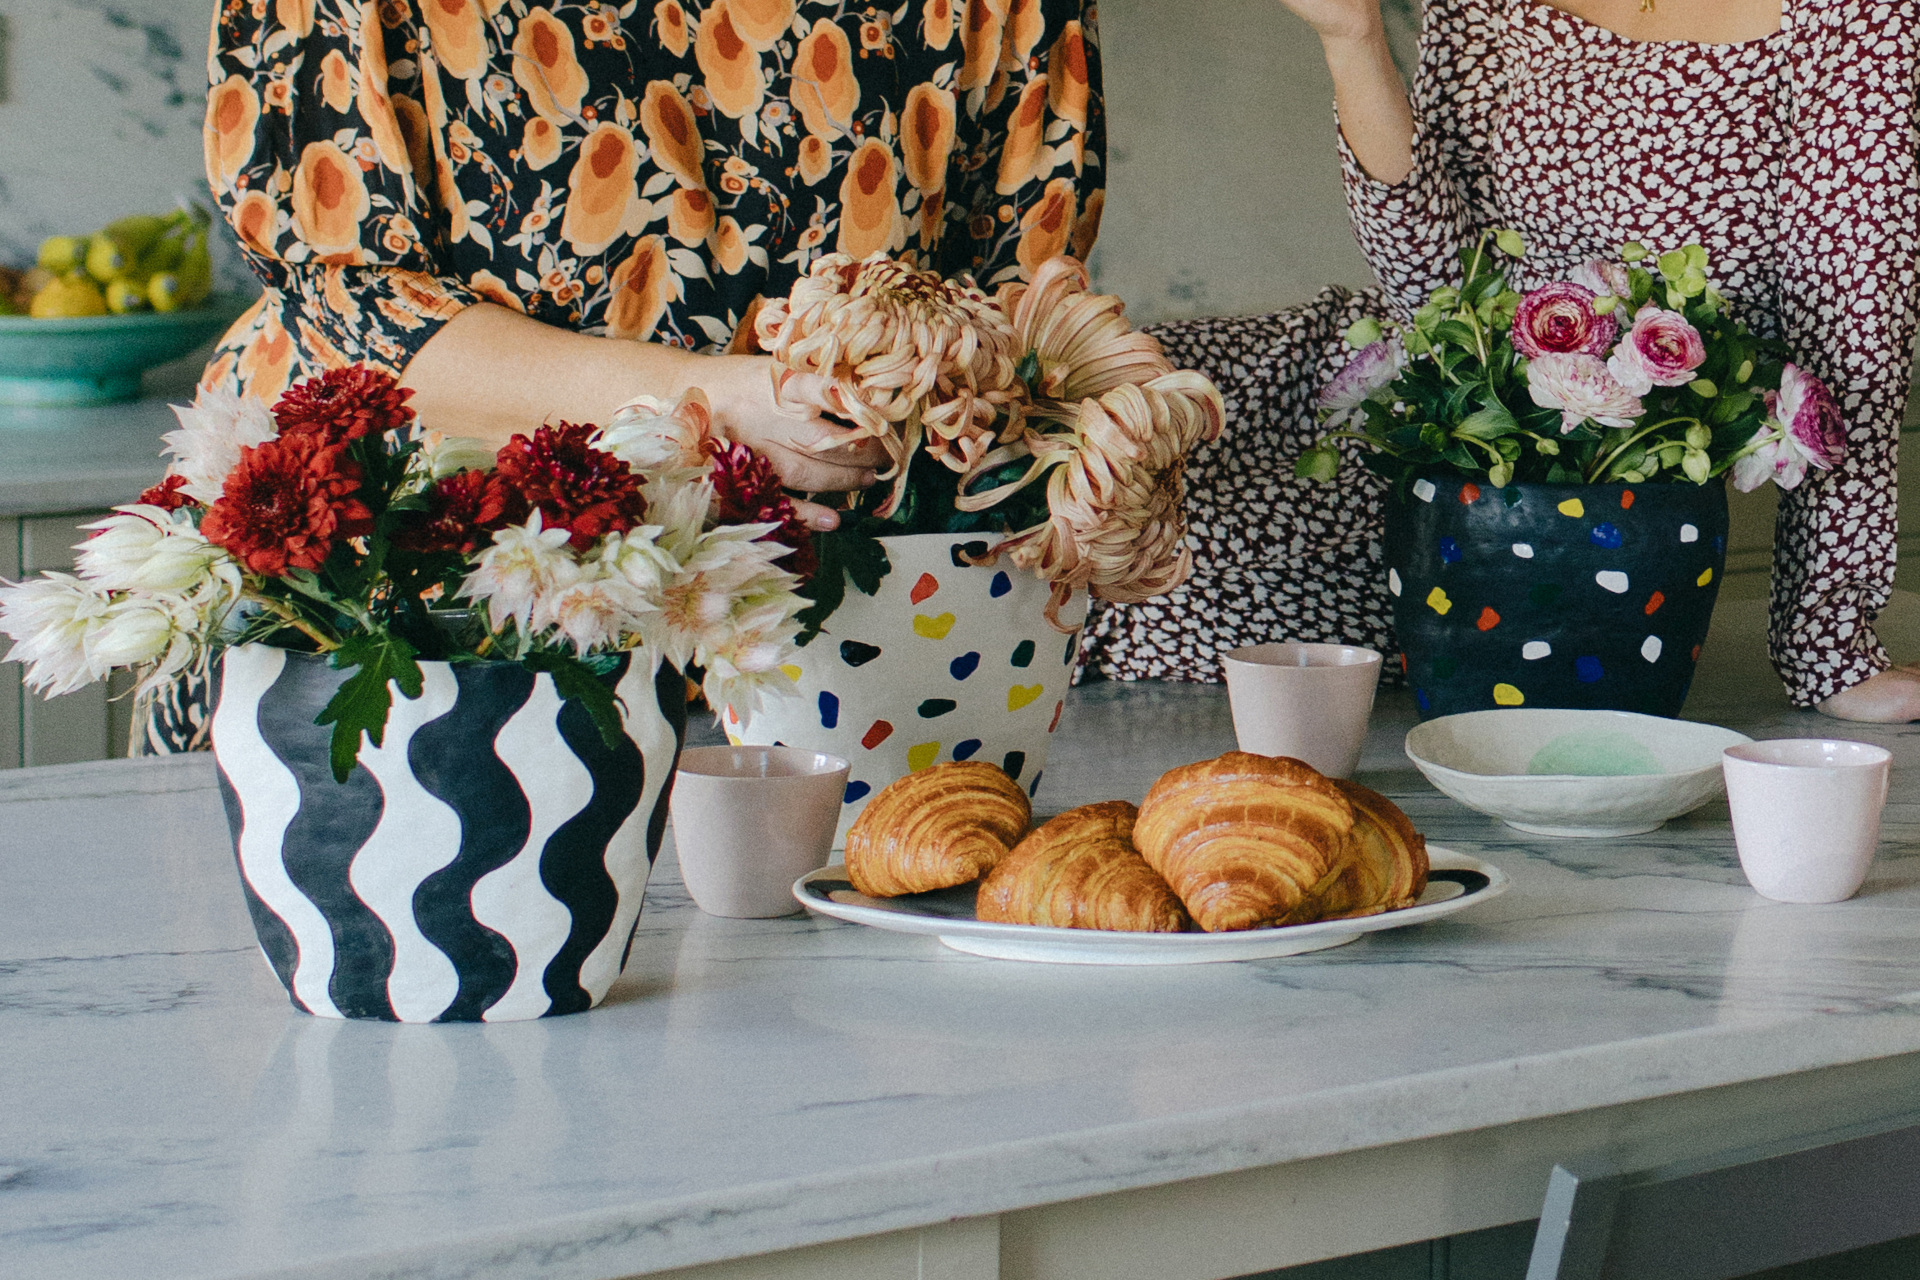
[(1081, 871), (1244, 839), (1385, 867), (939, 827)]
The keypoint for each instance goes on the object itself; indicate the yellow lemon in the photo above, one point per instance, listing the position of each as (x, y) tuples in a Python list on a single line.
[(933, 628), (1438, 602), (1573, 507), (1508, 696), (1022, 694), (923, 755)]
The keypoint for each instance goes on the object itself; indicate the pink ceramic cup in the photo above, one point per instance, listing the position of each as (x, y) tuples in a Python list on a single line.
[(1806, 814), (1308, 701), (749, 821)]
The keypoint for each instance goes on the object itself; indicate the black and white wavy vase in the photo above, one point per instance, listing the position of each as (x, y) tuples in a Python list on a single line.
[(485, 863)]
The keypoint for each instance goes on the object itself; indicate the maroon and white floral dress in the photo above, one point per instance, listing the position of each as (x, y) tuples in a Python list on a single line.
[(1791, 158)]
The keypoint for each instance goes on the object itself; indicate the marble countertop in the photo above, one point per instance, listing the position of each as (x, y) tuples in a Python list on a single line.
[(760, 1085)]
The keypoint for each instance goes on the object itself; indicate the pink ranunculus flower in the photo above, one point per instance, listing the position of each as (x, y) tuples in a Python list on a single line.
[(1603, 276), (1559, 319), (1805, 430), (1660, 350), (1580, 386), (1371, 368)]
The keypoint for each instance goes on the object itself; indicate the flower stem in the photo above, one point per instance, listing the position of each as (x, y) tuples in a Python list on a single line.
[(280, 610), (1599, 469)]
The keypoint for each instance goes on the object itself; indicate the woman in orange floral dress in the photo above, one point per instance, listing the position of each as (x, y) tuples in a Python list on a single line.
[(532, 211)]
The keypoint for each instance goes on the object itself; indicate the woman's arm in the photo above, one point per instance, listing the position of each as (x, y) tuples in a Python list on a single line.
[(491, 372), (1375, 117)]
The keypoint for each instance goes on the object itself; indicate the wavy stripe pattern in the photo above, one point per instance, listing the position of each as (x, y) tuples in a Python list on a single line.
[(267, 796), (415, 837), (487, 861)]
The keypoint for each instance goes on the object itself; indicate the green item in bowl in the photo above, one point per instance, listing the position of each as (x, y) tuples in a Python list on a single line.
[(80, 360), (1595, 754)]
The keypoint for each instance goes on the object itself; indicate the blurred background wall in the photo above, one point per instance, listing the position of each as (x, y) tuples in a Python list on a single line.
[(1224, 196)]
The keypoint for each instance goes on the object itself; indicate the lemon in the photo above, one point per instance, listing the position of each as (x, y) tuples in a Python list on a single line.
[(127, 294), (70, 295), (61, 254)]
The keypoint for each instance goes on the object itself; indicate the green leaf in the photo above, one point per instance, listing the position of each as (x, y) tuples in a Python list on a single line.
[(1487, 424), (1028, 370), (1510, 243), (576, 681), (361, 703), (851, 553)]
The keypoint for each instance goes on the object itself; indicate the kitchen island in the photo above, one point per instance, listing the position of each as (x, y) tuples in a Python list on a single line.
[(798, 1098)]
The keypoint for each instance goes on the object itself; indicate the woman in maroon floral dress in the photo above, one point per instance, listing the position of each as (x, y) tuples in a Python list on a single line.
[(1779, 135)]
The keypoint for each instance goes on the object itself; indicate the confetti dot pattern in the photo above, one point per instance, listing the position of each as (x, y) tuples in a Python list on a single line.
[(947, 661), (1594, 596)]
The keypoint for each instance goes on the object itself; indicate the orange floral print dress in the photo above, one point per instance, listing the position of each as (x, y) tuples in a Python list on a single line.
[(628, 168)]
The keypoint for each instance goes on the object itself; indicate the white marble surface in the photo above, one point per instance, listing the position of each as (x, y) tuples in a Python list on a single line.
[(760, 1085)]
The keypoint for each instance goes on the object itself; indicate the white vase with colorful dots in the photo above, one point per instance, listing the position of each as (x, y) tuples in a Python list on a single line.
[(947, 661)]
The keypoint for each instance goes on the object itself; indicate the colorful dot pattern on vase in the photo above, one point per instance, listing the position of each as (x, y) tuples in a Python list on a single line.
[(1423, 490), (1015, 763), (1508, 696), (923, 670), (790, 671), (1561, 587), (934, 626), (855, 654), (1022, 695)]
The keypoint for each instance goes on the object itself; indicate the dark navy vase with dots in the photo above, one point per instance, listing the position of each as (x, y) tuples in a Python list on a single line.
[(1553, 595)]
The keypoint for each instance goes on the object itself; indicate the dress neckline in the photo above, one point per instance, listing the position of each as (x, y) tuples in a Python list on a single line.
[(1607, 35)]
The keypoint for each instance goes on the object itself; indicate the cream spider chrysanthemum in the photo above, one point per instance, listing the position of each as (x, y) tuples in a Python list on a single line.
[(909, 356), (1115, 497), (1081, 341)]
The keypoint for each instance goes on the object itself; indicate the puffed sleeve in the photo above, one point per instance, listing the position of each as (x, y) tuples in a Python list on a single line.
[(325, 149), (1037, 185), (1411, 230), (1850, 211)]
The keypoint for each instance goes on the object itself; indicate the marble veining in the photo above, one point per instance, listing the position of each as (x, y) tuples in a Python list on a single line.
[(756, 1085)]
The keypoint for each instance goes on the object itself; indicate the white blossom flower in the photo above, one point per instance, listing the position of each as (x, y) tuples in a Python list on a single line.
[(1371, 368), (144, 548), (450, 455), (1582, 389), (594, 610), (213, 430), (650, 435), (745, 661), (52, 618), (142, 630), (524, 563)]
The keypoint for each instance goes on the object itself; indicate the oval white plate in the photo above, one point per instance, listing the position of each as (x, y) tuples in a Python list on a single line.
[(1456, 883)]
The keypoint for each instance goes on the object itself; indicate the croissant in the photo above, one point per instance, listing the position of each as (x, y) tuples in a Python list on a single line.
[(1385, 867), (939, 827), (1244, 839), (1081, 871)]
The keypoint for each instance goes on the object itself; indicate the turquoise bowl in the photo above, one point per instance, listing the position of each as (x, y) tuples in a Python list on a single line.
[(77, 360)]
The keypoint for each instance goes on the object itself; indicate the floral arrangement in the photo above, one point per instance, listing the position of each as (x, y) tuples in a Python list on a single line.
[(1632, 370), (1038, 415), (326, 525)]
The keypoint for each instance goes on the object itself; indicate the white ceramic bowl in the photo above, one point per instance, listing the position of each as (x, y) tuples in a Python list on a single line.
[(1573, 773)]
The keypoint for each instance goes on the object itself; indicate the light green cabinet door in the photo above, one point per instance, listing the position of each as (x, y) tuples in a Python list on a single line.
[(89, 723)]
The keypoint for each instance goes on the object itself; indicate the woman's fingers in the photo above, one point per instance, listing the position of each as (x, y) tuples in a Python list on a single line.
[(799, 469), (815, 516)]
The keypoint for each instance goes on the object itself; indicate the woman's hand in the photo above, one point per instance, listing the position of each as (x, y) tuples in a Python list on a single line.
[(800, 444), (1340, 20)]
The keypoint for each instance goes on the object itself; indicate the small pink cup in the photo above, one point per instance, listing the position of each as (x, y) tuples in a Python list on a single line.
[(1806, 814), (1308, 701), (749, 821)]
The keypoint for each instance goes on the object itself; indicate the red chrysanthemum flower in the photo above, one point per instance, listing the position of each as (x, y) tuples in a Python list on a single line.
[(464, 511), (286, 504), (344, 404), (746, 491), (584, 490), (167, 496)]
